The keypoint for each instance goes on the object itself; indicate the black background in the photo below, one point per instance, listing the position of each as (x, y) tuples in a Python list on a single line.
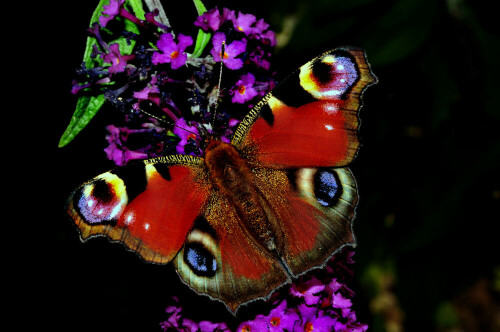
[(427, 169)]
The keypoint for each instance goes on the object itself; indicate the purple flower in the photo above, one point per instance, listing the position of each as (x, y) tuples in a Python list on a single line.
[(190, 325), (111, 10), (259, 32), (151, 18), (320, 303), (227, 15), (209, 20), (279, 319), (172, 52), (243, 23), (340, 302), (353, 325), (144, 93), (151, 88), (116, 150), (269, 37), (308, 290), (334, 286), (258, 324), (231, 51), (206, 326), (117, 60), (188, 135), (179, 323), (173, 319), (244, 91), (228, 132), (258, 57), (314, 319), (324, 323), (76, 87), (260, 26)]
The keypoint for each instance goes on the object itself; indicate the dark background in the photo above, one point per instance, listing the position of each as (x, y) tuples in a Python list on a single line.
[(428, 255)]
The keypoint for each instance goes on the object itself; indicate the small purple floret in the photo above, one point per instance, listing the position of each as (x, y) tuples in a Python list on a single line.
[(231, 51), (172, 52)]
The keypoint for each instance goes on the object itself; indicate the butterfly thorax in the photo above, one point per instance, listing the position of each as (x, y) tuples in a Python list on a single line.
[(232, 176)]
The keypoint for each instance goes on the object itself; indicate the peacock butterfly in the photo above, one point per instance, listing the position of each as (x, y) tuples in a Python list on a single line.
[(252, 214)]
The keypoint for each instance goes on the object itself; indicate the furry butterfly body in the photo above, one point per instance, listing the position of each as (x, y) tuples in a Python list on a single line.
[(250, 215)]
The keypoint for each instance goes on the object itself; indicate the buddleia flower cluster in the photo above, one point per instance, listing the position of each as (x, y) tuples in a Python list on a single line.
[(166, 83), (319, 301)]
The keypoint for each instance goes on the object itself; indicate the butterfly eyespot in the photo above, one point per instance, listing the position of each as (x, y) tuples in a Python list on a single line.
[(101, 201), (331, 77), (200, 260), (327, 187), (321, 186)]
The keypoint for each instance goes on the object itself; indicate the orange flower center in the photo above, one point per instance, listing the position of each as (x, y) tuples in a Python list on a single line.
[(241, 89), (308, 327), (240, 28), (275, 321), (224, 56), (245, 328), (174, 54)]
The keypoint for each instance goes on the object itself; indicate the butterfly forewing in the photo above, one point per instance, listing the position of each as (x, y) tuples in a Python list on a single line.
[(147, 205), (309, 120)]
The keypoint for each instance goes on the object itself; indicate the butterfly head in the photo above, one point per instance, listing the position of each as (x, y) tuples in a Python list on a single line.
[(207, 138)]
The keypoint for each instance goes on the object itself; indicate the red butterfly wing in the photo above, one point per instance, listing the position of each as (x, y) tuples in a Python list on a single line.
[(315, 208), (297, 142), (148, 207), (310, 120), (220, 259)]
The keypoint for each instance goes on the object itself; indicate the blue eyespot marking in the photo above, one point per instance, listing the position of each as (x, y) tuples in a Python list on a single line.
[(200, 260), (327, 187), (98, 202)]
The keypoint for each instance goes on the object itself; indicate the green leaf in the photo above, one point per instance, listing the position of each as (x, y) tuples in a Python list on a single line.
[(200, 7), (86, 108), (91, 40), (201, 41), (203, 37), (137, 7)]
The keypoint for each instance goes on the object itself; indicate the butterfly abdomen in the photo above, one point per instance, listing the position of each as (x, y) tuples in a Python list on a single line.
[(231, 175)]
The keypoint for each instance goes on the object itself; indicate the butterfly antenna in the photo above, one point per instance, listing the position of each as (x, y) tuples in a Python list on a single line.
[(162, 120), (223, 50)]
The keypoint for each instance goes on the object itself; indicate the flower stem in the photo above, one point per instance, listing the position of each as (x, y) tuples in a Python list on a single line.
[(126, 14), (156, 4)]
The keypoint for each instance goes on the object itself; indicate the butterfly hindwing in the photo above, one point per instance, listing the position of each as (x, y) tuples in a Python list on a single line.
[(148, 205), (309, 120), (315, 209), (220, 259)]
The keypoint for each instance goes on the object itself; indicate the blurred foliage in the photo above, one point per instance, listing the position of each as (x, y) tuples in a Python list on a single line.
[(446, 316)]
